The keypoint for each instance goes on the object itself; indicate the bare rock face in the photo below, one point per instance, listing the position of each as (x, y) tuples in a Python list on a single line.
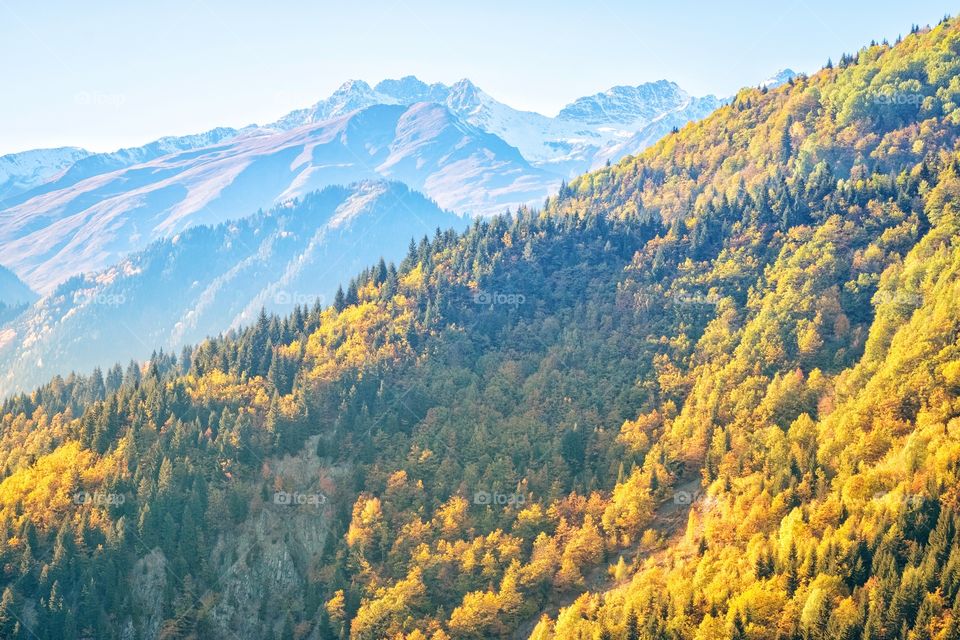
[(148, 584), (261, 570), (265, 565)]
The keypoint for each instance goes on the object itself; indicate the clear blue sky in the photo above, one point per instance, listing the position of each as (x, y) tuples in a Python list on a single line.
[(107, 74)]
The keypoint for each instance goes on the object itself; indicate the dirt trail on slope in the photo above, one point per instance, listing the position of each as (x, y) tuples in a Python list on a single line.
[(669, 520)]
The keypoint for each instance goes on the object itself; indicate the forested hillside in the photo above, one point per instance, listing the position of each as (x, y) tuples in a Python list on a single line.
[(757, 316), (209, 279)]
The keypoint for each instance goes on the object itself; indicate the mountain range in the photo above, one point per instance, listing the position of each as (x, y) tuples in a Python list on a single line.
[(90, 231), (95, 222), (21, 172), (31, 173), (567, 144), (68, 211), (84, 228), (209, 279)]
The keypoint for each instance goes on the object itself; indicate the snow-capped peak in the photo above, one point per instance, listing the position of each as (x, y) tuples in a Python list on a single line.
[(410, 89), (780, 77), (465, 97), (353, 86), (21, 171), (350, 96), (626, 105)]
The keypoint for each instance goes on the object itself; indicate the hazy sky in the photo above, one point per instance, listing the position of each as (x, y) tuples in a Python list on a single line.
[(108, 74)]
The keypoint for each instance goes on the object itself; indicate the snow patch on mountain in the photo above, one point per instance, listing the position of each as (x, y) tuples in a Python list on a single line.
[(87, 165), (351, 96), (780, 77), (21, 172), (410, 89), (692, 110), (625, 106)]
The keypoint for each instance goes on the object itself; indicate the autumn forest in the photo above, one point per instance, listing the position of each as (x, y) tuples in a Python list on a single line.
[(708, 392)]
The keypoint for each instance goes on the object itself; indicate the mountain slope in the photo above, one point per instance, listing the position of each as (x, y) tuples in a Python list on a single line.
[(780, 77), (93, 223), (692, 110), (207, 280), (754, 321), (20, 172), (12, 290), (78, 164), (624, 106), (15, 296)]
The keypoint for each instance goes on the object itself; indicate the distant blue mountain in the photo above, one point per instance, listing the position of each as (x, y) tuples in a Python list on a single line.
[(208, 279)]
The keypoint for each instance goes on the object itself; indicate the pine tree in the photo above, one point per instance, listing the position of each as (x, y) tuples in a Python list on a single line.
[(8, 615), (631, 628)]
